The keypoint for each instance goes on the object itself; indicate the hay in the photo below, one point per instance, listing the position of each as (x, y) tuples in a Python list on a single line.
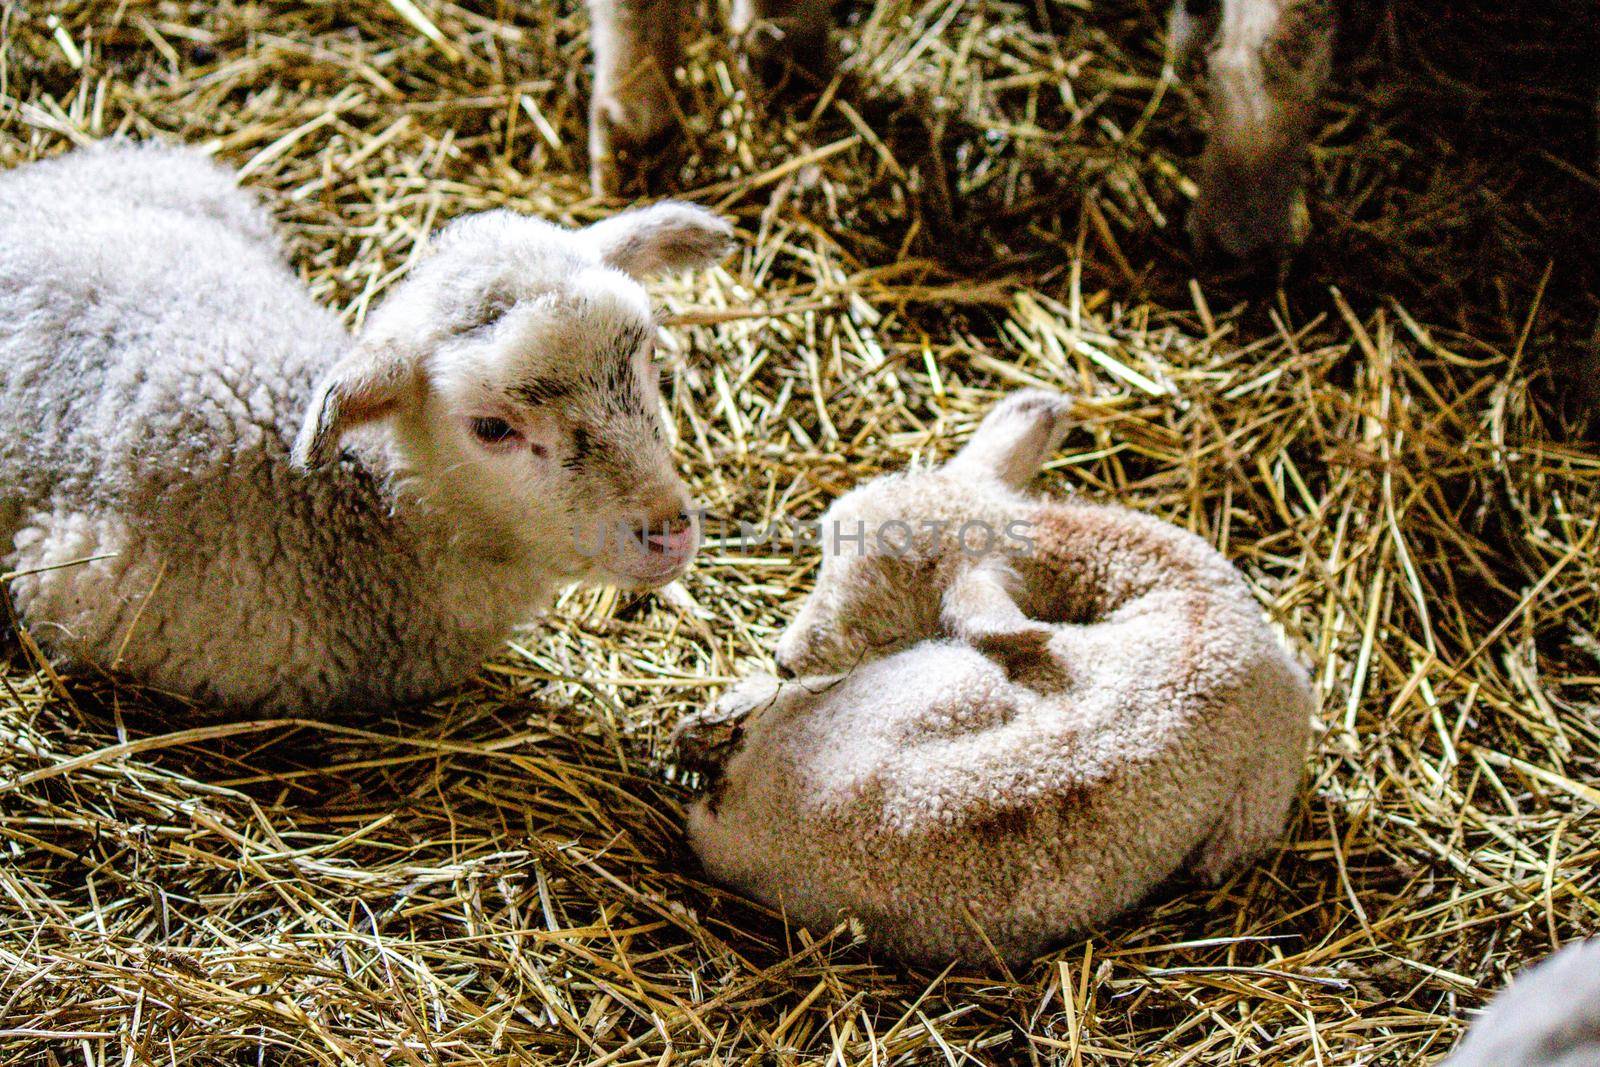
[(992, 199)]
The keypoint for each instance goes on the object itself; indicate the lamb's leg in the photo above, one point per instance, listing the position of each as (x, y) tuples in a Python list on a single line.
[(979, 609), (637, 45), (1266, 64), (782, 35)]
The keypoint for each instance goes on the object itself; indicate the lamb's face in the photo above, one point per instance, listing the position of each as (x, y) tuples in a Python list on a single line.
[(913, 556), (544, 422), (514, 369)]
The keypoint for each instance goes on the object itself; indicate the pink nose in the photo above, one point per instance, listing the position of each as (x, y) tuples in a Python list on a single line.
[(670, 534), (671, 542)]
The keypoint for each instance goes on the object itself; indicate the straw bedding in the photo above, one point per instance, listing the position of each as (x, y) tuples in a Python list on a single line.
[(1391, 444)]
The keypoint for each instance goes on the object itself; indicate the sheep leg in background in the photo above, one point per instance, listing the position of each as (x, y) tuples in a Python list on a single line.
[(1266, 62), (637, 46), (779, 36)]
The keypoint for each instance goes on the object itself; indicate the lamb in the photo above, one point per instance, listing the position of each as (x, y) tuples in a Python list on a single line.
[(1548, 1017), (1265, 63), (1010, 718), (210, 486)]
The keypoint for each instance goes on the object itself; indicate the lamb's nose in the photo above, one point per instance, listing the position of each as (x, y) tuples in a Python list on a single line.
[(785, 671), (669, 534)]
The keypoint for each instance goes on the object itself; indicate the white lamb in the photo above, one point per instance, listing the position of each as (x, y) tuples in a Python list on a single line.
[(1548, 1017), (1008, 727), (208, 484)]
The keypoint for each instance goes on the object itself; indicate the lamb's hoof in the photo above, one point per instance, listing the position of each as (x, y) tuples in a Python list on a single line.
[(706, 740), (1254, 241)]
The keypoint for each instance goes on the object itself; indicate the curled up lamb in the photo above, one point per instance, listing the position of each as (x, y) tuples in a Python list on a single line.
[(1008, 727), (208, 484)]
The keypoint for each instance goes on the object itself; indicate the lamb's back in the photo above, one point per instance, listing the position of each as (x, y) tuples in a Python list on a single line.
[(156, 356), (148, 327)]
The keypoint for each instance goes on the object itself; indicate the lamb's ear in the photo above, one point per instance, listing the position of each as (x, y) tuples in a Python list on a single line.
[(978, 608), (1014, 439), (667, 236), (367, 384)]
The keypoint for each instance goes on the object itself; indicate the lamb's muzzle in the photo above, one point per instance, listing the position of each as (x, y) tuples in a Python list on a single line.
[(669, 542), (673, 537)]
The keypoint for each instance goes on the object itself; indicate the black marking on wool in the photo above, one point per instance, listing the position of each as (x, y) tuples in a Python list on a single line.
[(540, 391), (615, 360), (626, 404), (601, 459), (613, 375), (582, 445), (596, 454)]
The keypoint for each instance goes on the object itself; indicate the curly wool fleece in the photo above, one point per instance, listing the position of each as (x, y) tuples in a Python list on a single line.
[(1088, 721)]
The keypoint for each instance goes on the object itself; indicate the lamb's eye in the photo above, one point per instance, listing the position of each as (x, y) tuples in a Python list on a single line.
[(493, 431)]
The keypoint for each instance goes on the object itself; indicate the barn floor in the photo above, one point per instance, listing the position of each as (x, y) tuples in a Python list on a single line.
[(1391, 441)]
